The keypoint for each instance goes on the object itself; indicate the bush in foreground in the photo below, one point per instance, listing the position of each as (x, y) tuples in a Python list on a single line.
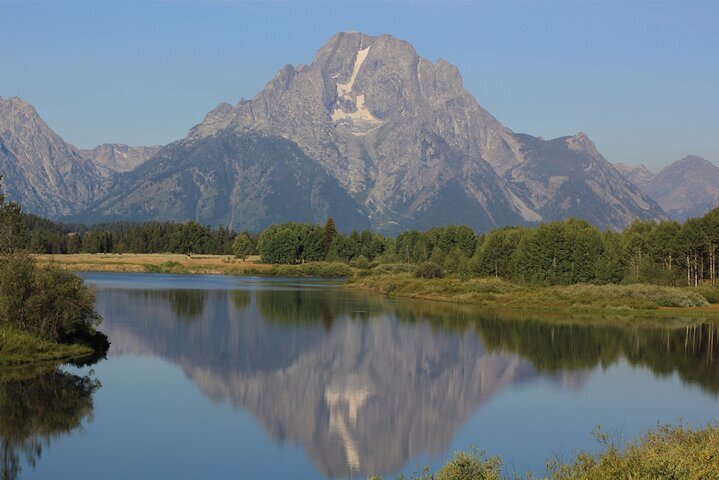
[(429, 270)]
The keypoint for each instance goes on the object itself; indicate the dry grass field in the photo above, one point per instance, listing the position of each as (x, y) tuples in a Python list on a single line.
[(154, 263)]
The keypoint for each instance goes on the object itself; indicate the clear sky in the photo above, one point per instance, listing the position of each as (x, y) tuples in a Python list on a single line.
[(641, 78)]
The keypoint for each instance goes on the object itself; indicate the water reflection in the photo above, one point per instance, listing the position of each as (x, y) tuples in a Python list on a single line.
[(38, 405), (364, 384)]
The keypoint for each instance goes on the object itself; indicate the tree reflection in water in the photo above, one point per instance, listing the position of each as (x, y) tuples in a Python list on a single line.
[(36, 406)]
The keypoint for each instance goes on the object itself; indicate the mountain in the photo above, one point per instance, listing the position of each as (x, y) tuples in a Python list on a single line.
[(40, 170), (376, 135), (112, 158), (568, 177), (639, 176), (686, 188), (415, 149), (246, 181)]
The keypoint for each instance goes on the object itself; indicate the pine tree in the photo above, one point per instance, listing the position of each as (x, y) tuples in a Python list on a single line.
[(330, 232)]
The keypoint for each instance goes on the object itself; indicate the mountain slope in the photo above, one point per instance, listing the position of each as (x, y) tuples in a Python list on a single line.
[(245, 181), (41, 171), (568, 177), (687, 188)]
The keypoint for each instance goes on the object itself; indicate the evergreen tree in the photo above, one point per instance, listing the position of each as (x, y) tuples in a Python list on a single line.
[(329, 234)]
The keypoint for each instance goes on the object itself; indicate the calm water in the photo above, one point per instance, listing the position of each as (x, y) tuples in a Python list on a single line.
[(222, 377)]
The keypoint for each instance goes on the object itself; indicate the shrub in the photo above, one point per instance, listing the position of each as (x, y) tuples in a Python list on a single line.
[(312, 269), (360, 262), (471, 466), (48, 302), (394, 268), (710, 293), (429, 270)]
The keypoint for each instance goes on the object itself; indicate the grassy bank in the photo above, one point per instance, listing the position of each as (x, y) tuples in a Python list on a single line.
[(665, 453), (18, 347), (497, 293), (182, 264)]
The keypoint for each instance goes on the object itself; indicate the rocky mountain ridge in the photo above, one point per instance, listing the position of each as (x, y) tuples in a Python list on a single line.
[(391, 137), (49, 176)]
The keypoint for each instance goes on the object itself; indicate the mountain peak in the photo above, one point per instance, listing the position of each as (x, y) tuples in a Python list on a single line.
[(581, 141), (686, 188), (694, 159), (16, 104)]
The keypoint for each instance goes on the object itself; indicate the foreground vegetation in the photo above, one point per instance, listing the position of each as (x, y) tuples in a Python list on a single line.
[(665, 453), (45, 313)]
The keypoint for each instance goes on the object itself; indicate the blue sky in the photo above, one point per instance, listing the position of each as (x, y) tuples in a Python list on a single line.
[(641, 78)]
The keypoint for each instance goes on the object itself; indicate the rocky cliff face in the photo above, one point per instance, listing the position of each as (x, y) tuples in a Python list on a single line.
[(687, 188), (41, 171)]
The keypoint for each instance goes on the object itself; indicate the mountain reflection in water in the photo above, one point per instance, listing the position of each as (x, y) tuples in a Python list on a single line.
[(363, 383)]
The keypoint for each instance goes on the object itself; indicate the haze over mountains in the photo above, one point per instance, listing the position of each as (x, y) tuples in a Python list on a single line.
[(369, 133)]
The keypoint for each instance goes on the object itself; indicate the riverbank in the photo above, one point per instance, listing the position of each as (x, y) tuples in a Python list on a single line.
[(486, 292), (184, 264), (497, 293), (19, 347)]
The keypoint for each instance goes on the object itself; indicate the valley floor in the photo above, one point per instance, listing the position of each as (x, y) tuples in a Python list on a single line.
[(153, 263)]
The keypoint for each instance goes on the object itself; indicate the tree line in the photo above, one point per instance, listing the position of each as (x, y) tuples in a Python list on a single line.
[(563, 252)]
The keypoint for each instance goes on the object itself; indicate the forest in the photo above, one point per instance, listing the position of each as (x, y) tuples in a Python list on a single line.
[(557, 253)]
